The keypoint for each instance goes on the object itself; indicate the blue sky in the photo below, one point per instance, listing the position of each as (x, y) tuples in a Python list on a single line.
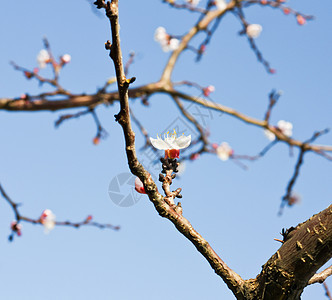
[(60, 169)]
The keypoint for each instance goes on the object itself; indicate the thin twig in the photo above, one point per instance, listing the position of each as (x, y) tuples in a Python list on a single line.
[(19, 218), (291, 183), (320, 277), (327, 291)]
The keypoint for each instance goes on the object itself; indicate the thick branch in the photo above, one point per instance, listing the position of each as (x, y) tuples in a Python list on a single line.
[(305, 249)]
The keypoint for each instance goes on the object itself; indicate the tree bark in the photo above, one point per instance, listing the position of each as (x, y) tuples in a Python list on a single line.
[(306, 248)]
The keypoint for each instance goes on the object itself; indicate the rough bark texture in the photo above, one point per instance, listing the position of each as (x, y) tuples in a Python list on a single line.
[(306, 248)]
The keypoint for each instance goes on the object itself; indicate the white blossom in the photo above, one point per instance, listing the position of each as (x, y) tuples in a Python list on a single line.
[(221, 4), (171, 141), (170, 45), (165, 40), (47, 218), (254, 30), (160, 34), (270, 136), (286, 128), (43, 58), (224, 151), (66, 58)]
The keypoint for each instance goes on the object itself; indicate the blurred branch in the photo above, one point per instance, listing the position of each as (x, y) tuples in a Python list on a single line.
[(201, 25), (327, 291), (76, 101), (239, 12), (186, 7), (273, 99), (15, 227), (190, 118)]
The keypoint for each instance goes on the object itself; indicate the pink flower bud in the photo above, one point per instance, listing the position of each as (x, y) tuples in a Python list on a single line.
[(194, 156), (96, 140), (215, 145), (139, 187), (28, 74), (300, 20), (202, 48), (286, 11), (208, 90)]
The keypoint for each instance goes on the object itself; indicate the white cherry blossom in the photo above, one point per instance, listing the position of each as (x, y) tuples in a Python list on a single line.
[(43, 58), (47, 218), (254, 30), (220, 4), (171, 144), (166, 42), (66, 58), (286, 128), (224, 151)]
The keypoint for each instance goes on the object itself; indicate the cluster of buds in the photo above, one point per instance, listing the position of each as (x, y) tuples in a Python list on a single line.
[(171, 144), (166, 41), (168, 164), (169, 168), (47, 219)]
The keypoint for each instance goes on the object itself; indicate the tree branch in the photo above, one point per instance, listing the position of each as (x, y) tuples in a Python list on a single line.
[(19, 217), (232, 279), (305, 249), (320, 277)]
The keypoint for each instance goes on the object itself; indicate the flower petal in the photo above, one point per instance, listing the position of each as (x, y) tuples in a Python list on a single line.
[(159, 144), (182, 142), (269, 135)]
